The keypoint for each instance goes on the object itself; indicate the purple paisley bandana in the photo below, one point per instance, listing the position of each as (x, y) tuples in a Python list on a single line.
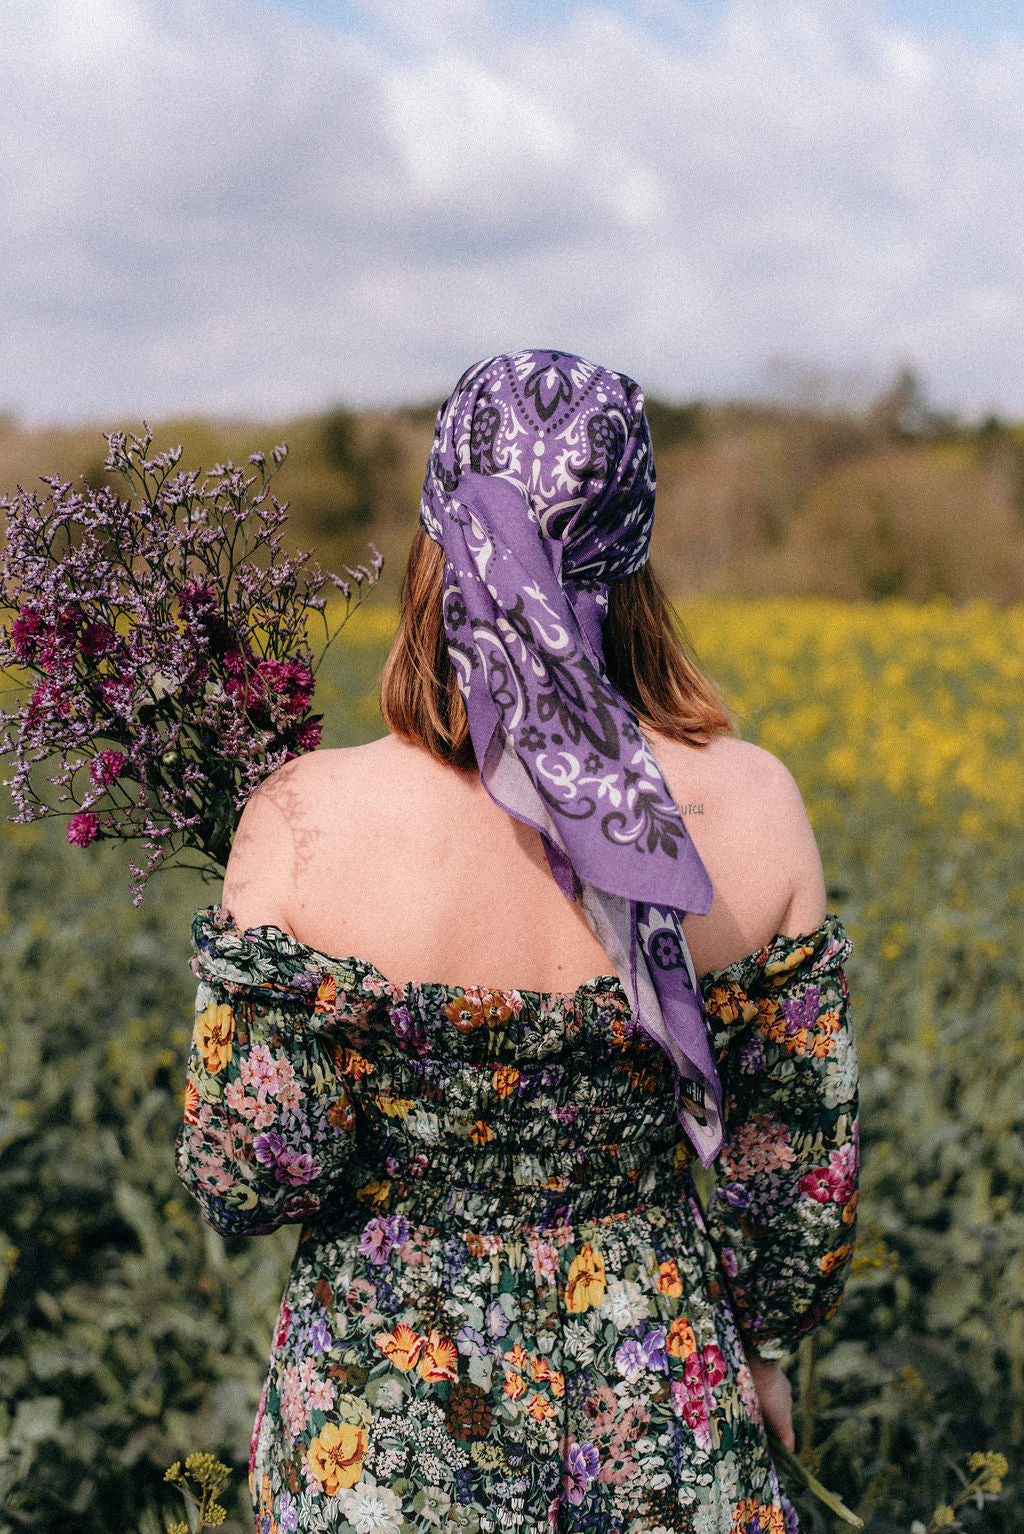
[(540, 490)]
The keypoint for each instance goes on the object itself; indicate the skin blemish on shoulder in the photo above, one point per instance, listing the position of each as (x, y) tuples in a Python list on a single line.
[(257, 838)]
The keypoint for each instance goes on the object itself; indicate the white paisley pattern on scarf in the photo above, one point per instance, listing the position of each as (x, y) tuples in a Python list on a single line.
[(540, 489)]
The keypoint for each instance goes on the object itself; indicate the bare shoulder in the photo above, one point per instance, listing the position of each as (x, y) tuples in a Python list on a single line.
[(281, 823), (748, 776), (755, 818), (759, 782)]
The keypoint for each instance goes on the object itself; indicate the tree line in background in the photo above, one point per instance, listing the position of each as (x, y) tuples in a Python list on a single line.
[(893, 499)]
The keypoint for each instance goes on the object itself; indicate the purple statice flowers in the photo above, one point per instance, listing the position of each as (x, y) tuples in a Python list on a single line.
[(159, 645)]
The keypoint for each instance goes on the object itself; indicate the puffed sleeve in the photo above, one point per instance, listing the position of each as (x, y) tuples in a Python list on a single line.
[(270, 1127), (782, 1216)]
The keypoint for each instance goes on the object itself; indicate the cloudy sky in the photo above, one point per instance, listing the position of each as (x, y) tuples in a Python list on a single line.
[(263, 207)]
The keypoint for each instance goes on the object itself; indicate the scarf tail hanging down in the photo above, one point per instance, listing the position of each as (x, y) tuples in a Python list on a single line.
[(665, 997), (525, 593)]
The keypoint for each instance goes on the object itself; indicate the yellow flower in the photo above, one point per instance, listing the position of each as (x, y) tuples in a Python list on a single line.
[(586, 1282), (213, 1032), (335, 1456), (395, 1107), (990, 1468)]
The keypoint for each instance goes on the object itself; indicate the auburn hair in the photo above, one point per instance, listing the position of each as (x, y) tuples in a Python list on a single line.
[(647, 655)]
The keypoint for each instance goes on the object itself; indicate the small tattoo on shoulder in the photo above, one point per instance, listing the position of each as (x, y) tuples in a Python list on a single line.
[(692, 809)]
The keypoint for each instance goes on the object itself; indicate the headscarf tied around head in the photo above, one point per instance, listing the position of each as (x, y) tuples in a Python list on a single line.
[(540, 490)]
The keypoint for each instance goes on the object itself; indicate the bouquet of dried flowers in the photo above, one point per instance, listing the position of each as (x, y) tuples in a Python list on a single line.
[(159, 649)]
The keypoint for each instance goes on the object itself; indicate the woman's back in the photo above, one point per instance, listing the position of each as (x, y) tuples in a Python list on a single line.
[(383, 853), (508, 1307)]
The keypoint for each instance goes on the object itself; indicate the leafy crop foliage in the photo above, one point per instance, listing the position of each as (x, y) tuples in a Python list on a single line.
[(131, 1335)]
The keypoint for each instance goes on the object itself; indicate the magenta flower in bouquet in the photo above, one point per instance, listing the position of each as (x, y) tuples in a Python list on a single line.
[(160, 651)]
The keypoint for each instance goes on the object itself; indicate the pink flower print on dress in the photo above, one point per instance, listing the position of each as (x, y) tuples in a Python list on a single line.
[(378, 986), (320, 1394), (844, 1163), (761, 1145), (259, 1070), (714, 1364), (692, 1408), (289, 1095), (294, 1406), (263, 1113), (237, 1101), (823, 1183), (545, 1258)]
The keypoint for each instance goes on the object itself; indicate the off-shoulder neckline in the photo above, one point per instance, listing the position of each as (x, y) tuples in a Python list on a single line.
[(331, 962)]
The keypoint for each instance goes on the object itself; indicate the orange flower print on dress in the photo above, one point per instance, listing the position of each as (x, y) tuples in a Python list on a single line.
[(495, 1008), (540, 1408), (213, 1033), (669, 1281), (465, 1012), (680, 1341), (517, 1357), (828, 1021), (515, 1385), (481, 1133), (505, 1080), (335, 1456), (327, 995), (770, 1020), (352, 1065), (402, 1347), (750, 1514), (586, 1282), (341, 1114), (439, 1359), (191, 1103), (833, 1260), (730, 1003)]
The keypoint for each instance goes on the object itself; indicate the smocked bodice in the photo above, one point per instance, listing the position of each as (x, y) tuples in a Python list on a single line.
[(505, 1279)]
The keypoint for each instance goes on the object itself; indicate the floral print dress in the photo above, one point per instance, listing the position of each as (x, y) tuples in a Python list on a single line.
[(507, 1309)]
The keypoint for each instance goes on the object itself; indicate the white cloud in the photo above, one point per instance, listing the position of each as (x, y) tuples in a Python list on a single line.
[(223, 206)]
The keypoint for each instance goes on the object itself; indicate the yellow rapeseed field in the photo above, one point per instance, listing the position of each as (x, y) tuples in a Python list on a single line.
[(926, 701)]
